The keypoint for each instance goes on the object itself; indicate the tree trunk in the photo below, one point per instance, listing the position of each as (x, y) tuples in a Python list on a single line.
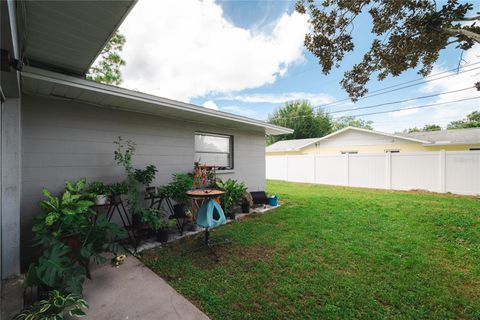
[(467, 33)]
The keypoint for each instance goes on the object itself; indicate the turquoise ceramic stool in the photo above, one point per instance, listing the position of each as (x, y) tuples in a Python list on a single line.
[(209, 216)]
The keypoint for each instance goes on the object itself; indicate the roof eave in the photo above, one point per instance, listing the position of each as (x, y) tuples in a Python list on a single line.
[(44, 75)]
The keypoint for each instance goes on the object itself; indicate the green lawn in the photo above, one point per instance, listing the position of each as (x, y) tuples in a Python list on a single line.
[(338, 253)]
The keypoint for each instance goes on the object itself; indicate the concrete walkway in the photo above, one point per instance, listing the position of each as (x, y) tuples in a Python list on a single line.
[(133, 291)]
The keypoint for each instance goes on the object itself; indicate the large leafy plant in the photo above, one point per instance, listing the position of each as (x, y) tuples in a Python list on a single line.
[(233, 192), (71, 235), (55, 269), (55, 307), (70, 213)]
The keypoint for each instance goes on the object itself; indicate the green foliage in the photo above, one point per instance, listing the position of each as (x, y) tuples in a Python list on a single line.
[(69, 214), (408, 34), (152, 217), (300, 116), (118, 188), (146, 175), (176, 190), (350, 121), (55, 307), (233, 192), (123, 154), (54, 269), (107, 68), (427, 127), (97, 188), (472, 120)]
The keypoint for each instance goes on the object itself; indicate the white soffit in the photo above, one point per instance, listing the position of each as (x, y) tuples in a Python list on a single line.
[(67, 36)]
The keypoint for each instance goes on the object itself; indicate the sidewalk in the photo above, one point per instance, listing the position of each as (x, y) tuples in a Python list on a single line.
[(132, 292)]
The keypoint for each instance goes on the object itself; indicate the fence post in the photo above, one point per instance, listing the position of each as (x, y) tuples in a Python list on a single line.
[(442, 174), (347, 168), (286, 168), (314, 169), (388, 170)]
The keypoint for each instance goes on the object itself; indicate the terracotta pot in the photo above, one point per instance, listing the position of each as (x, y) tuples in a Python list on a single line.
[(73, 242)]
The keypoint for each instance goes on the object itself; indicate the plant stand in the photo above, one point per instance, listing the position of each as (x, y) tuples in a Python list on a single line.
[(157, 201)]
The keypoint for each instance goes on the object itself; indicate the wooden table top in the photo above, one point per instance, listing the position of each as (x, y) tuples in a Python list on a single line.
[(205, 193)]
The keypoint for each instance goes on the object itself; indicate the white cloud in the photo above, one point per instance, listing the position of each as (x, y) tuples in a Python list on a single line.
[(240, 110), (184, 49), (210, 105), (314, 98)]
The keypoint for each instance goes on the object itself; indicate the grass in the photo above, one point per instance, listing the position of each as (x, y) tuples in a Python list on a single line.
[(337, 253)]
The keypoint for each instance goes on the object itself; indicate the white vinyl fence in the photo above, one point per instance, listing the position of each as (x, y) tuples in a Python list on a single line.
[(438, 171)]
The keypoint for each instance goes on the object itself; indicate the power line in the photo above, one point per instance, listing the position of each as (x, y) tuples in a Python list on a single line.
[(411, 108), (387, 111), (405, 85), (401, 101)]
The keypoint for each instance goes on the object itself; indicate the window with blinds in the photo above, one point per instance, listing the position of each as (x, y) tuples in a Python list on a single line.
[(214, 150)]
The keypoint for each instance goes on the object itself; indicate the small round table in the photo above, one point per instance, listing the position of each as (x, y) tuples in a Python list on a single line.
[(199, 196)]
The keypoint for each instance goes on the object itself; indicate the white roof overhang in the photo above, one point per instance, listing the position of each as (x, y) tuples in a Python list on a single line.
[(54, 85), (67, 36)]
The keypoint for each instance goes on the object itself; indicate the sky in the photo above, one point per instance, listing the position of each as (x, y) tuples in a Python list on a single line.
[(248, 58)]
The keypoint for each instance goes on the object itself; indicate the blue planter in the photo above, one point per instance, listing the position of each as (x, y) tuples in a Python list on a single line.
[(273, 201)]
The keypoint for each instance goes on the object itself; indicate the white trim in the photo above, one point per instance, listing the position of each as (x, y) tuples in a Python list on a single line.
[(57, 78)]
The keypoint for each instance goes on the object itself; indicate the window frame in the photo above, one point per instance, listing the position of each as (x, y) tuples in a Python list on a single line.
[(230, 153), (392, 150)]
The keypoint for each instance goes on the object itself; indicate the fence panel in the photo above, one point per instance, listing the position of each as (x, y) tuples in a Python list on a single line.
[(463, 172), (330, 169), (416, 171), (301, 168), (437, 171), (276, 167), (367, 170)]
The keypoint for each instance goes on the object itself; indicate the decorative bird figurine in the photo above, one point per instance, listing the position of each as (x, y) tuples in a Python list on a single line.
[(118, 260)]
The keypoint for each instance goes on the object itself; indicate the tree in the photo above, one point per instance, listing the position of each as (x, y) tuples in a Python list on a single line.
[(427, 127), (472, 120), (107, 68), (300, 116), (349, 121), (407, 34)]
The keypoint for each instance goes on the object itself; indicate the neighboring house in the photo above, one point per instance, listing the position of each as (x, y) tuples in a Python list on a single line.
[(356, 140), (55, 125)]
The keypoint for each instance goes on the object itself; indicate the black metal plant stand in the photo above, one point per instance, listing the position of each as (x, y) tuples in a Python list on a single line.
[(116, 206), (156, 201)]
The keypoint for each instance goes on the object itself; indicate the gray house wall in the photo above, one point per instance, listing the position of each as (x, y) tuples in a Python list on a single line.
[(62, 139)]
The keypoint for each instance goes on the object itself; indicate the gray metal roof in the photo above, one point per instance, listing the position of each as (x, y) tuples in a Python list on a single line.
[(456, 136), (290, 145), (67, 36)]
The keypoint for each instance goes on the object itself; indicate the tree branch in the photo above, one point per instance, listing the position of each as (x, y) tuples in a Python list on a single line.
[(469, 34), (468, 18)]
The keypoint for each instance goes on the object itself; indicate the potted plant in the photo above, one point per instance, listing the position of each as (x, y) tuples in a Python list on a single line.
[(116, 190), (177, 190), (146, 177), (157, 223), (99, 191), (71, 235), (56, 306), (233, 193)]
